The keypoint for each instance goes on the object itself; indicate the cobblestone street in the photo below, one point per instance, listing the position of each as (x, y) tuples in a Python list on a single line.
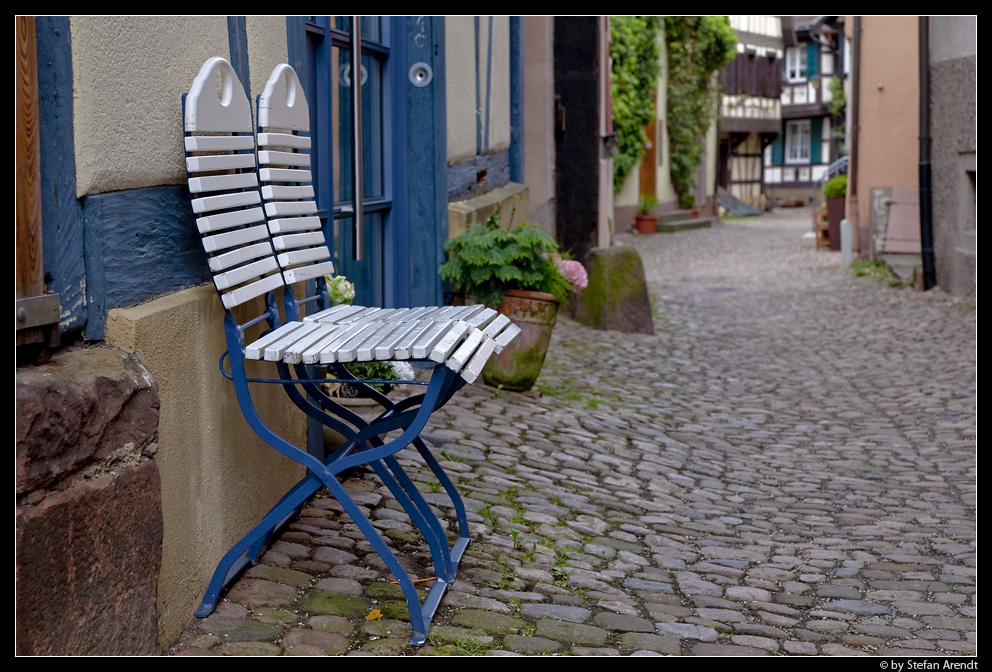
[(787, 467)]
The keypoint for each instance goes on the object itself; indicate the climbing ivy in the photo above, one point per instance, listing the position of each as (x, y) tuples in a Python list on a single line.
[(635, 53), (698, 46), (837, 107)]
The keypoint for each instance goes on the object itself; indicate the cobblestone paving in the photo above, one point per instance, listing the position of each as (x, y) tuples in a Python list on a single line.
[(787, 467)]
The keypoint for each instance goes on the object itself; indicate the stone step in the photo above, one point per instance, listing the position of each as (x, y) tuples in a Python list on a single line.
[(675, 216), (684, 224)]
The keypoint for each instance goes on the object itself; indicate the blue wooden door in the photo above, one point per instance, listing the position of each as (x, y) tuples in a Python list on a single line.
[(329, 45), (403, 149)]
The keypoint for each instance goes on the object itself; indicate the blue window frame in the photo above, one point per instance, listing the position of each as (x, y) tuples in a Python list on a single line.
[(329, 79), (404, 175)]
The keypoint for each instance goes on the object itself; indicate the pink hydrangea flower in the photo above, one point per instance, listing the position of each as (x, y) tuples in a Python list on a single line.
[(574, 272)]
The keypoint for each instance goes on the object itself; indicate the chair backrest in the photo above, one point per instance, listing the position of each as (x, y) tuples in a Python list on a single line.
[(220, 162), (284, 170)]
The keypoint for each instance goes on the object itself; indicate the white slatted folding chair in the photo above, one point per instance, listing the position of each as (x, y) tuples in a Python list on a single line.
[(253, 252), (302, 253)]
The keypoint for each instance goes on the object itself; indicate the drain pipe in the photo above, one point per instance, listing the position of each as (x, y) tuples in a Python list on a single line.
[(853, 213), (926, 205)]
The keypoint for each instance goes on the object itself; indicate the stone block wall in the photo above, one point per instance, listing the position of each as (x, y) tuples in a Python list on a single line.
[(88, 518)]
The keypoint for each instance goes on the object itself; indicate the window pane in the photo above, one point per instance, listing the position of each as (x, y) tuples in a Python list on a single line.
[(367, 275), (372, 162), (371, 26)]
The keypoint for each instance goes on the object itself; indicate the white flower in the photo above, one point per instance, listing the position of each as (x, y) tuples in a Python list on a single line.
[(404, 371), (339, 290)]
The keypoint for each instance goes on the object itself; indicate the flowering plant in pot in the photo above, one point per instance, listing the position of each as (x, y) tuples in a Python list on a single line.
[(645, 220), (834, 191), (522, 273)]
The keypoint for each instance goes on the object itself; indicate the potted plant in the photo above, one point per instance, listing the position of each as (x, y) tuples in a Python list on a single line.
[(520, 272), (645, 221), (688, 202), (834, 191)]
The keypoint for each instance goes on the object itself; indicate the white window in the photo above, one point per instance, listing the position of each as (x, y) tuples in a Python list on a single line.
[(795, 64), (797, 141)]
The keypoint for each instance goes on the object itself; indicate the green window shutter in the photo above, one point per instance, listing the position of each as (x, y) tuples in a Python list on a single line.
[(812, 60), (815, 140), (778, 151)]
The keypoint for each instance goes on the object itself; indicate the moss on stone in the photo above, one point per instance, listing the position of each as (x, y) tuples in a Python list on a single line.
[(316, 602), (617, 296)]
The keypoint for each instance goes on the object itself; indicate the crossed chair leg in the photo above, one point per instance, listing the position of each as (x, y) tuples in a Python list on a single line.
[(364, 446)]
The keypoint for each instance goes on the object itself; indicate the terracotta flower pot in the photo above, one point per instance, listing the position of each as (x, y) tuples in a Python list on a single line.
[(519, 365), (646, 223), (835, 213)]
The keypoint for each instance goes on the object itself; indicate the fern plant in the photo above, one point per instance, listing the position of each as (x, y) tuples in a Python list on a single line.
[(486, 260)]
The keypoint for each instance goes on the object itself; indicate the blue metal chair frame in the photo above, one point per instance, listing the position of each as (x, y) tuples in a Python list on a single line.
[(364, 446)]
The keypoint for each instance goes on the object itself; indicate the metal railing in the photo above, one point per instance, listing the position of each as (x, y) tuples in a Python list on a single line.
[(838, 167)]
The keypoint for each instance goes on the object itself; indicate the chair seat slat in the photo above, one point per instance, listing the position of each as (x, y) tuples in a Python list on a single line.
[(430, 338), (496, 326), (318, 352), (449, 312), (221, 241), (331, 315), (225, 201), (465, 350), (330, 352), (366, 352), (404, 349), (294, 353), (199, 164), (470, 372), (348, 351), (398, 315), (506, 336), (270, 157), (275, 350), (227, 220), (464, 313), (387, 348), (482, 318), (449, 342), (255, 349), (217, 143), (365, 315), (294, 275), (421, 313), (283, 140), (222, 262), (199, 185)]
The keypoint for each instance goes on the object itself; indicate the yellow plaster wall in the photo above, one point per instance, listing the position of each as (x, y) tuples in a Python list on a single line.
[(266, 49), (460, 84), (218, 478), (129, 73)]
